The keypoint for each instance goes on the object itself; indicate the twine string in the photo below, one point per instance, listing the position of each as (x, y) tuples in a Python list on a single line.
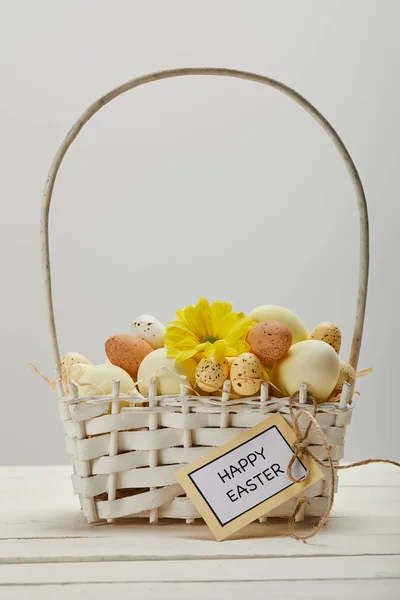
[(301, 451)]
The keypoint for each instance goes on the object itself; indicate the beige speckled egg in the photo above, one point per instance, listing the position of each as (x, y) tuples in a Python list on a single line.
[(127, 351), (149, 329), (312, 362), (210, 374), (246, 374), (346, 373), (73, 365), (329, 333), (270, 340), (98, 380), (166, 371), (71, 358)]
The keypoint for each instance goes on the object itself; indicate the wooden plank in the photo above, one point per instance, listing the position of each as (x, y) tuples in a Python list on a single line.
[(373, 475), (62, 520), (192, 543), (53, 511), (257, 569), (384, 589), (365, 501)]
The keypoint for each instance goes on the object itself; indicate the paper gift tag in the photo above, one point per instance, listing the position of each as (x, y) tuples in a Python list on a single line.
[(246, 478)]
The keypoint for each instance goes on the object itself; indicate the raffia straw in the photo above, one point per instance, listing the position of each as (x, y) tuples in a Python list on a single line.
[(364, 372), (302, 451), (135, 392), (52, 382), (95, 390)]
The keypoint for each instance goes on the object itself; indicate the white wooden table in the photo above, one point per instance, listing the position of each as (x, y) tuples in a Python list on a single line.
[(47, 551)]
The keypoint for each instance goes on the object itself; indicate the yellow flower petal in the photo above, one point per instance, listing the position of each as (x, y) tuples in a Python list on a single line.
[(239, 331), (204, 313), (220, 350), (219, 310), (209, 350), (190, 318), (207, 330), (175, 334), (185, 354)]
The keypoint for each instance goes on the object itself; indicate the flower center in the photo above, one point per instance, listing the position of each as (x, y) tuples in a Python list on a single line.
[(209, 338)]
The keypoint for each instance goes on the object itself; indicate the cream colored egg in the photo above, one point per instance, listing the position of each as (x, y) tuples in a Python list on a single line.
[(329, 333), (246, 374), (210, 374), (271, 312), (149, 329), (71, 358), (312, 362), (98, 380), (74, 374), (167, 372), (77, 371), (70, 368)]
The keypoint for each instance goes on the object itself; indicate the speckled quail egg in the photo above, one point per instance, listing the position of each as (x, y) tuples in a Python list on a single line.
[(329, 333), (149, 329), (246, 374), (211, 374)]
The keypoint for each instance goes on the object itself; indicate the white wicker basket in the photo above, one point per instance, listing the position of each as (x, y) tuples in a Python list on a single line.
[(124, 459)]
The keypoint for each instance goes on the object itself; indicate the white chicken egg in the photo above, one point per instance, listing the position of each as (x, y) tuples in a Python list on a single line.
[(150, 329), (167, 372), (312, 362), (98, 380)]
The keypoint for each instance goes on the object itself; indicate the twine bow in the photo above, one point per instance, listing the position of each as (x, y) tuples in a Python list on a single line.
[(301, 451)]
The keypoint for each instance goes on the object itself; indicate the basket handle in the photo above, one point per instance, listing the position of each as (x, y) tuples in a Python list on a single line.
[(221, 72)]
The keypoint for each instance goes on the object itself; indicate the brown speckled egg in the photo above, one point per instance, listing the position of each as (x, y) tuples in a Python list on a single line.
[(127, 351), (210, 374), (246, 374), (329, 333), (270, 340)]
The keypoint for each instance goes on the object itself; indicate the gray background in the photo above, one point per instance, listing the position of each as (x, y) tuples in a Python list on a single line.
[(195, 186)]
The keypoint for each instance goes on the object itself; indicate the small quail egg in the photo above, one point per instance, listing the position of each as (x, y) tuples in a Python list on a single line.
[(246, 374), (210, 374), (149, 329), (329, 333)]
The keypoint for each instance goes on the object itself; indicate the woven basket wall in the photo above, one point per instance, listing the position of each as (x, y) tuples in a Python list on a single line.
[(125, 459)]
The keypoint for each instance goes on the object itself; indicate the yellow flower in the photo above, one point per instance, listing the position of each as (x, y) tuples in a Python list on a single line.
[(207, 330)]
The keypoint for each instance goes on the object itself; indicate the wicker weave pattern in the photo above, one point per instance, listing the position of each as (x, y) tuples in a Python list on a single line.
[(147, 488)]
